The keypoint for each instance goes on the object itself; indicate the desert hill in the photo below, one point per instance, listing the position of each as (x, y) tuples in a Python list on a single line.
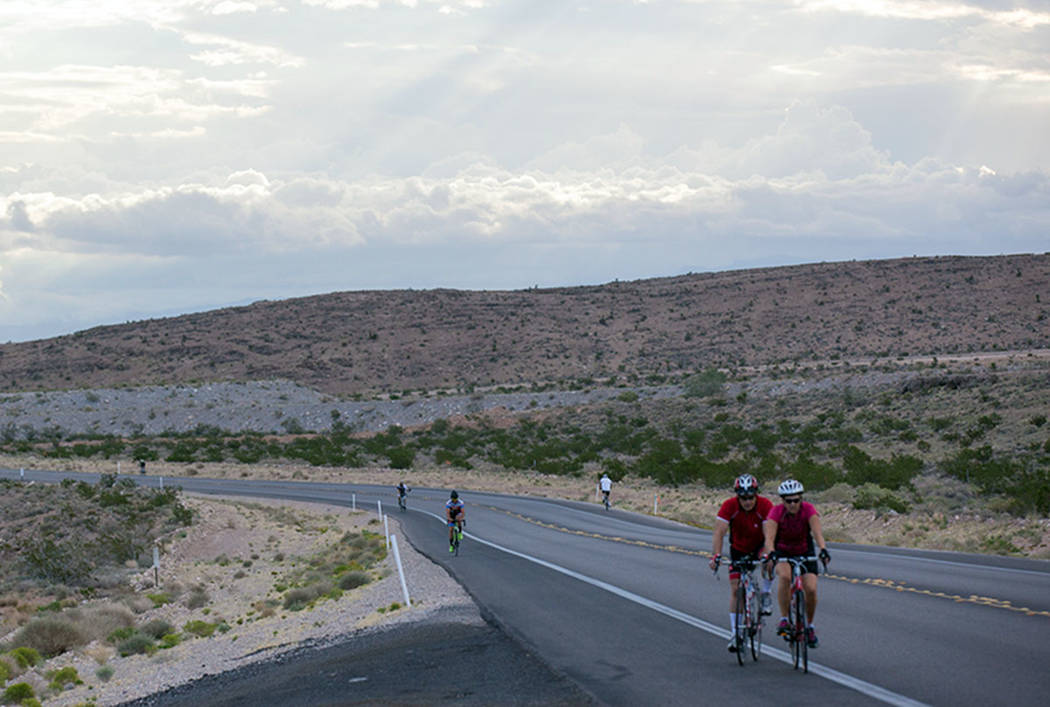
[(393, 341)]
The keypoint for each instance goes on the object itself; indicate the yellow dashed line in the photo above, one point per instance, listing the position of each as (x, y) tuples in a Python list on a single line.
[(870, 581)]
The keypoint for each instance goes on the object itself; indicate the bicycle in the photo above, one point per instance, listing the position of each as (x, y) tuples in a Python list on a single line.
[(797, 612), (605, 499), (457, 535), (402, 502), (748, 609)]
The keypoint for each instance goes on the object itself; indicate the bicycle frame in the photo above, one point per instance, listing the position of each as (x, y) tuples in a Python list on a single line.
[(748, 610), (797, 611)]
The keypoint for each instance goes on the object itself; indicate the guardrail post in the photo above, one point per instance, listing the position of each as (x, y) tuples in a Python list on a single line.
[(379, 505), (386, 530), (400, 570), (353, 501)]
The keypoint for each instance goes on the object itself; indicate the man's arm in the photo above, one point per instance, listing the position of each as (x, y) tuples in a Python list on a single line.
[(717, 534)]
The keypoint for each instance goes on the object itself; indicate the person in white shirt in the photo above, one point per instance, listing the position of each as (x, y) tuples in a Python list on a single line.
[(606, 486)]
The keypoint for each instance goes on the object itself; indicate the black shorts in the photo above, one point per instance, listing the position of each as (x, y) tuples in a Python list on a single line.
[(810, 564), (735, 556)]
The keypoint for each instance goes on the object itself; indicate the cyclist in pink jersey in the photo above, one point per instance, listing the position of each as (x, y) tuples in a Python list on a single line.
[(793, 530), (742, 517)]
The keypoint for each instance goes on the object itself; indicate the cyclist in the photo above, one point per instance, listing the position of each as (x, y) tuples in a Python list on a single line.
[(456, 517), (605, 484), (402, 491), (791, 530), (742, 516)]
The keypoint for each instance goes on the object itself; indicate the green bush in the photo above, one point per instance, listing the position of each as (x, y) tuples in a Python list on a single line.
[(104, 673), (135, 644), (64, 676), (17, 693), (5, 671), (170, 640), (879, 499), (201, 629), (25, 656), (705, 384)]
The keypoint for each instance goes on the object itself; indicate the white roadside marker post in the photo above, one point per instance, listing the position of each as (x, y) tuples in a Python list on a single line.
[(400, 570)]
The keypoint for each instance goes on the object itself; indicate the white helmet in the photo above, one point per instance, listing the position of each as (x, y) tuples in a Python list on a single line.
[(789, 488)]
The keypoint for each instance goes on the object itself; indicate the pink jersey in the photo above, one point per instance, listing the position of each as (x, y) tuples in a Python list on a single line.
[(745, 527), (793, 536)]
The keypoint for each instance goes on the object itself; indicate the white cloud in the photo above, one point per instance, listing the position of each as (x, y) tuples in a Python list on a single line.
[(382, 143)]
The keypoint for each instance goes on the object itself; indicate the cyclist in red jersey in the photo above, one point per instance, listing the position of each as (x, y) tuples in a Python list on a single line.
[(742, 517), (791, 530)]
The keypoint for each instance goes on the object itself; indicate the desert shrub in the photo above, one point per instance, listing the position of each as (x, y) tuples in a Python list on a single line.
[(894, 473), (63, 562), (201, 629), (50, 636), (136, 643), (64, 676), (5, 671), (25, 656), (879, 499), (100, 621), (170, 640), (354, 579), (18, 693), (300, 597), (839, 493), (104, 673), (160, 598), (705, 384), (197, 598), (156, 628)]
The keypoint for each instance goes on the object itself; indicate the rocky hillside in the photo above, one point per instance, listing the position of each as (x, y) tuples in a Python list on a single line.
[(646, 330)]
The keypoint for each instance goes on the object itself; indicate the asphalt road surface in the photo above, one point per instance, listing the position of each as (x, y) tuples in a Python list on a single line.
[(624, 606)]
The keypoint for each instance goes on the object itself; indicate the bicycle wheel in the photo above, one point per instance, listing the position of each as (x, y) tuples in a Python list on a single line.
[(755, 624), (799, 619), (793, 634), (740, 635)]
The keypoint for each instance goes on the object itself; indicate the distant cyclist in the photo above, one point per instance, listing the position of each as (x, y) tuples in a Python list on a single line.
[(791, 530), (402, 491), (456, 517), (605, 484), (742, 516)]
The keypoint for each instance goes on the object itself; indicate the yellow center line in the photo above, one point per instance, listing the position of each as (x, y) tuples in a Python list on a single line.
[(868, 581)]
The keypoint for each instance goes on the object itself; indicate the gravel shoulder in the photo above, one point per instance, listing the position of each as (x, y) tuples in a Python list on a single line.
[(270, 537)]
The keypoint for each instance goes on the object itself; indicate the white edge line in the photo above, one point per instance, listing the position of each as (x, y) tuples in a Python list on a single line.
[(867, 688)]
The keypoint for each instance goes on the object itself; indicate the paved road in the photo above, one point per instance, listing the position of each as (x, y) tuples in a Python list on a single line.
[(624, 605)]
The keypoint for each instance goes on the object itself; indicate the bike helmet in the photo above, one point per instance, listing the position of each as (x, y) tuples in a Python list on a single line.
[(745, 485), (453, 495), (790, 488)]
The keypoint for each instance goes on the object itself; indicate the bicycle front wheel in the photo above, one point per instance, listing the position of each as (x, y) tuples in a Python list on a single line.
[(801, 648), (740, 634), (755, 625)]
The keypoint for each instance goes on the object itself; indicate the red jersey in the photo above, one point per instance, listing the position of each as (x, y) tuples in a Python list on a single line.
[(793, 535), (745, 527)]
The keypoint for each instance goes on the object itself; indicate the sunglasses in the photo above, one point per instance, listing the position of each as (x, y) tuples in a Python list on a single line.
[(749, 497), (796, 499)]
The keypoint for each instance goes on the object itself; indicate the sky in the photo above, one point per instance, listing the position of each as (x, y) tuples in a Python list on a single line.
[(160, 157)]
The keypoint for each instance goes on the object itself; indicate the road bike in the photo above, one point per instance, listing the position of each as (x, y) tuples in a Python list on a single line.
[(605, 499), (797, 613), (402, 502), (457, 536), (747, 606)]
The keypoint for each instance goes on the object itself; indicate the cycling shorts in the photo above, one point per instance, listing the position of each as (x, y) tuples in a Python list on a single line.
[(735, 556), (810, 564)]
